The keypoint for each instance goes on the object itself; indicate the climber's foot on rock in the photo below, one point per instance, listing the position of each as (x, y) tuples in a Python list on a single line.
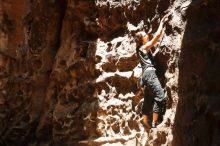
[(154, 124)]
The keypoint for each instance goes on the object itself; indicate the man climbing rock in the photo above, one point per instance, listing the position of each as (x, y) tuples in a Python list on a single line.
[(149, 77)]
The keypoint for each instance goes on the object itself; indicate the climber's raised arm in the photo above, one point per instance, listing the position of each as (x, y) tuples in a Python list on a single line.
[(149, 44)]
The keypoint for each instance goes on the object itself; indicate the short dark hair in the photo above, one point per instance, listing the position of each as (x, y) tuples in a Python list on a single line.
[(138, 37)]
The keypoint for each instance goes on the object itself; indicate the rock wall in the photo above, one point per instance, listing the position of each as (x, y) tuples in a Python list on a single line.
[(29, 43), (69, 70), (197, 118)]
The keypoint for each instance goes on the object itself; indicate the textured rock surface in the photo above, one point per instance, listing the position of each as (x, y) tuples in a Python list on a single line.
[(197, 118), (29, 42), (68, 72)]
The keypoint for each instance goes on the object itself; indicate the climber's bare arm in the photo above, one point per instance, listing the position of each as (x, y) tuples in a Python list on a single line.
[(156, 37)]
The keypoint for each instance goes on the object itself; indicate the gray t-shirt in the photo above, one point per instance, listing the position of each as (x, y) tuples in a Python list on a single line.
[(145, 60)]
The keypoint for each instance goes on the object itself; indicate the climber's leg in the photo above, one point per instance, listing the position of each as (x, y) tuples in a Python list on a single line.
[(152, 82)]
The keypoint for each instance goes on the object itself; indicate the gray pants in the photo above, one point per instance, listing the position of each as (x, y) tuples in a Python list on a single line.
[(154, 97)]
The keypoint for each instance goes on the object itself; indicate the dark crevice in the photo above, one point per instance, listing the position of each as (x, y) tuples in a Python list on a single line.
[(46, 133), (63, 6)]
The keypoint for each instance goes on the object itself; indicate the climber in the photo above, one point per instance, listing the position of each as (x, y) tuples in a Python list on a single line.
[(149, 77)]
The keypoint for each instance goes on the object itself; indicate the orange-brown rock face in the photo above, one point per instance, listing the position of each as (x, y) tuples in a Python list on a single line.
[(69, 71), (29, 42), (13, 34)]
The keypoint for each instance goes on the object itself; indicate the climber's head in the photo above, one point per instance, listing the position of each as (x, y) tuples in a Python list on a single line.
[(141, 37)]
